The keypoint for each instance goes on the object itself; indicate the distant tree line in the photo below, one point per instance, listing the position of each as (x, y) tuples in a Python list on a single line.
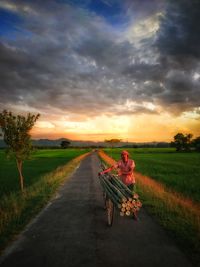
[(185, 142), (148, 145)]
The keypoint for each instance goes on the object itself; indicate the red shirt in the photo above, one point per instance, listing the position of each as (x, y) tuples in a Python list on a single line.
[(123, 168)]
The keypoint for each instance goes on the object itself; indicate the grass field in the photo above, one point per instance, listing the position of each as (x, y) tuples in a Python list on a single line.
[(180, 172), (41, 162), (43, 175)]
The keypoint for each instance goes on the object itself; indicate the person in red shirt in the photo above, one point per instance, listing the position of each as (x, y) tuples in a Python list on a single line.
[(125, 167)]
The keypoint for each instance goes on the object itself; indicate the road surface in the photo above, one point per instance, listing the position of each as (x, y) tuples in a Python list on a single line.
[(72, 232)]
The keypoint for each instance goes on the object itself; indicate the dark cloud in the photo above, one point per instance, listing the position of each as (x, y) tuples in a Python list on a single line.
[(179, 30), (144, 72), (74, 61), (178, 42)]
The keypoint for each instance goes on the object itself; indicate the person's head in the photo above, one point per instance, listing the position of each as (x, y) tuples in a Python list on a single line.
[(124, 155)]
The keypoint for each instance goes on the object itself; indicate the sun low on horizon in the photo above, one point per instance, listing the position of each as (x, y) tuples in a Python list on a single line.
[(104, 69)]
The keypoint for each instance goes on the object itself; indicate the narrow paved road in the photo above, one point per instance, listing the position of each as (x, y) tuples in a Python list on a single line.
[(71, 231)]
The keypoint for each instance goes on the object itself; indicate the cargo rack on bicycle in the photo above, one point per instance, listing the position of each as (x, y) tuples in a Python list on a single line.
[(126, 201)]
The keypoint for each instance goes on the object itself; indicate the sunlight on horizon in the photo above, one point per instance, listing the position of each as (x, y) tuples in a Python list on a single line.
[(134, 128)]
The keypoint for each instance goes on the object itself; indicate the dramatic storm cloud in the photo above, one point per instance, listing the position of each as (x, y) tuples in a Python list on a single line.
[(85, 59)]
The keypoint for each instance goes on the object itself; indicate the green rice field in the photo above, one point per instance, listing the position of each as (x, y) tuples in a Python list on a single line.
[(41, 162), (180, 172)]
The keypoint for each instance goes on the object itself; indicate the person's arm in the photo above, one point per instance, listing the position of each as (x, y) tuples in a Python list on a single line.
[(107, 170)]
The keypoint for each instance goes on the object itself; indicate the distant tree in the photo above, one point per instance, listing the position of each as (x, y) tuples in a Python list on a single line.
[(113, 142), (182, 142), (16, 135), (65, 144), (196, 143)]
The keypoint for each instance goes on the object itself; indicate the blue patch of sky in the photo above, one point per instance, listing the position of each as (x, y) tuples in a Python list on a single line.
[(111, 10), (9, 22), (11, 25)]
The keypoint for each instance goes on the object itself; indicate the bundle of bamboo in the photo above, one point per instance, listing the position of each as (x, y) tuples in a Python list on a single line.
[(122, 197)]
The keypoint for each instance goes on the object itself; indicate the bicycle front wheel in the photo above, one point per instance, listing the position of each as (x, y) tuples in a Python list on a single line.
[(110, 212)]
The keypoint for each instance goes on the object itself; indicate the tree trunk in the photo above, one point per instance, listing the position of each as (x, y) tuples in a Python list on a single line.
[(21, 178)]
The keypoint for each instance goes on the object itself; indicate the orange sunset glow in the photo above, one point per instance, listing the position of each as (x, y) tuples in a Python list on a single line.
[(141, 128)]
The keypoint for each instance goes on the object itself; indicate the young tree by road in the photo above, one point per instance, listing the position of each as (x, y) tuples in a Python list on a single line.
[(16, 135)]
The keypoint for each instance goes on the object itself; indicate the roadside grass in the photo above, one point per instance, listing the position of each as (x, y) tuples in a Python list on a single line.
[(180, 216), (180, 172), (17, 209)]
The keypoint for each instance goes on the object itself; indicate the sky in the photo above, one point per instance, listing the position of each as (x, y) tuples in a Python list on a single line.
[(102, 69)]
